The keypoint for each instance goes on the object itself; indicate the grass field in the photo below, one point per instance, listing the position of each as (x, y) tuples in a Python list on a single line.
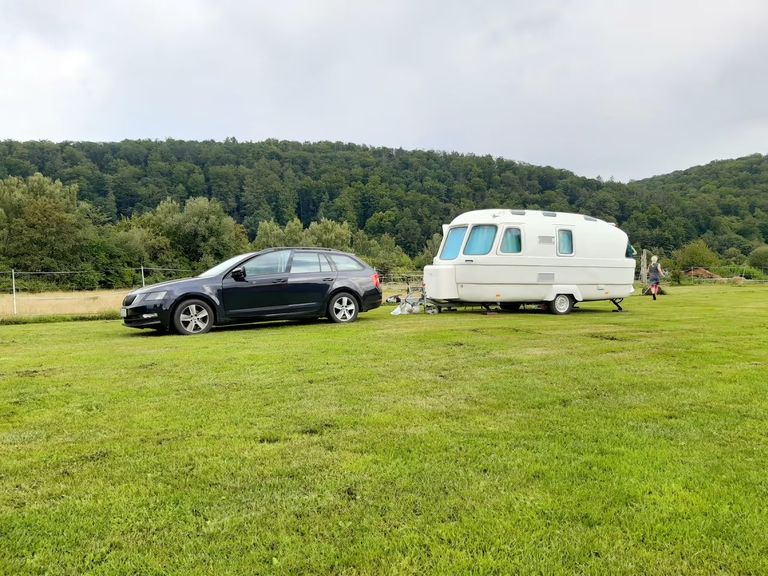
[(595, 443)]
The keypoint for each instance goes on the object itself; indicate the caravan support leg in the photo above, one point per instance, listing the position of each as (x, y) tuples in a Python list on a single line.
[(615, 302)]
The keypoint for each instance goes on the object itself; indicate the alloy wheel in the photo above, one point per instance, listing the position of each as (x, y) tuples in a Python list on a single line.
[(194, 318)]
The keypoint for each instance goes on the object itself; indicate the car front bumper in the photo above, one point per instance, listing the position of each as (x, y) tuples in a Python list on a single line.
[(145, 315)]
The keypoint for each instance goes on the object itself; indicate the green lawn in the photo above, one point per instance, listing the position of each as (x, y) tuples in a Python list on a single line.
[(598, 443)]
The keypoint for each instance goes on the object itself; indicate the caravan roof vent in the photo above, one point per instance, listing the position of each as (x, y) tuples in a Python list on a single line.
[(550, 214), (517, 212), (590, 219)]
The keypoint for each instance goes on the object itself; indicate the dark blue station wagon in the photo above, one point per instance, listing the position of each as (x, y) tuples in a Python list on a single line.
[(274, 284)]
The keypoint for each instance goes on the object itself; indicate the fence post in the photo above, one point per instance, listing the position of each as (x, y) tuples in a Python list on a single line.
[(13, 289), (142, 275)]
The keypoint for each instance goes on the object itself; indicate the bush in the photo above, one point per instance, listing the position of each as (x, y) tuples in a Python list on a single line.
[(758, 258), (695, 254), (743, 271), (751, 273)]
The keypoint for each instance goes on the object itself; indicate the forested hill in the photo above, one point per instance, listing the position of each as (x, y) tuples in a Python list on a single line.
[(386, 193), (407, 194), (724, 202)]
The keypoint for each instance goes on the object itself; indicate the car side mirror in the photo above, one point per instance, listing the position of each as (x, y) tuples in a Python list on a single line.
[(238, 274)]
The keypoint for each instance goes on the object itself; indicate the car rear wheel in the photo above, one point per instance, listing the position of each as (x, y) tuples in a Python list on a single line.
[(342, 308), (562, 304), (193, 317)]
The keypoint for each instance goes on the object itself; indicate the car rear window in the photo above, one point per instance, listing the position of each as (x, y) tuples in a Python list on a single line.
[(305, 262), (345, 263)]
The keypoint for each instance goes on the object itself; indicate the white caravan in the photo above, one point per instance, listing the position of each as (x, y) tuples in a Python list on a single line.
[(511, 257)]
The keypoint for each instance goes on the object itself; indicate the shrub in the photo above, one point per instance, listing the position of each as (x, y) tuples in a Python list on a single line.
[(695, 254), (758, 258)]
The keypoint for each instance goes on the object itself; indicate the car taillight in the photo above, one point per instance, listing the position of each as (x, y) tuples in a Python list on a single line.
[(376, 282)]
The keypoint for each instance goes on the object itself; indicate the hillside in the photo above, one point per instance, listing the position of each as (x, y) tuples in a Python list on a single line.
[(392, 196), (724, 202)]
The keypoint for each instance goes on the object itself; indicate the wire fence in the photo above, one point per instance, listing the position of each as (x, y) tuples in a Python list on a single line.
[(136, 276), (42, 293), (726, 273)]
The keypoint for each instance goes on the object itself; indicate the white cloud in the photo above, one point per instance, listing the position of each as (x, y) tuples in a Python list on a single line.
[(46, 93), (598, 87)]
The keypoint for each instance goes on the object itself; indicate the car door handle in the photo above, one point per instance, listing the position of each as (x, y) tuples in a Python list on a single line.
[(280, 281), (468, 260), (327, 279)]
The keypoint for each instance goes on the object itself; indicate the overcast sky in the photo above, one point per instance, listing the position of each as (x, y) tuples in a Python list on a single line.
[(618, 89)]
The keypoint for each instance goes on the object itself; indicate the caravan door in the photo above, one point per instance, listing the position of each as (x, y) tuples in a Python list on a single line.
[(477, 273), (494, 267)]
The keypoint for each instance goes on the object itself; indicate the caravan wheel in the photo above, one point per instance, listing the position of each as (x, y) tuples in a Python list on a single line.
[(562, 304)]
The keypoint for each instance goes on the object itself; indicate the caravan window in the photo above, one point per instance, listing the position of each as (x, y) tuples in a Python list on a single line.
[(511, 242), (480, 240), (565, 242), (453, 243)]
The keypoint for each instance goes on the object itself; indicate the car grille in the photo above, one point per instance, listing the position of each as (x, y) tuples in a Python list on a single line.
[(129, 299)]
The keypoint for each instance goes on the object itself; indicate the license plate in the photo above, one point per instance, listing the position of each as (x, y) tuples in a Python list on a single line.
[(123, 312)]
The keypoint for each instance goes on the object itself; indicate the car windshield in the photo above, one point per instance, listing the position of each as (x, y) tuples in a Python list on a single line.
[(223, 267)]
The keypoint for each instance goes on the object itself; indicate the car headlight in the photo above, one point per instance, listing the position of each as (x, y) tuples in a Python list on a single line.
[(150, 296), (155, 295)]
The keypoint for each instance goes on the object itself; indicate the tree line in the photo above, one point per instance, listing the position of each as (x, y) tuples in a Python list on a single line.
[(107, 207)]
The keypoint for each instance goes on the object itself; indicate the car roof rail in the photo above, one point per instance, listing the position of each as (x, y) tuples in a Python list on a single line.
[(301, 248)]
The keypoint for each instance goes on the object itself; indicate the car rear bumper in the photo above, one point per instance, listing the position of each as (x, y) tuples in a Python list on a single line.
[(371, 299)]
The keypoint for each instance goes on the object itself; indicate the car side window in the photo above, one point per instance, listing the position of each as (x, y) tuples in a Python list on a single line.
[(345, 263), (266, 264), (305, 262)]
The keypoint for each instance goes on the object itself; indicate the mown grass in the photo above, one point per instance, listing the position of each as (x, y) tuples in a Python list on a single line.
[(597, 443), (15, 320)]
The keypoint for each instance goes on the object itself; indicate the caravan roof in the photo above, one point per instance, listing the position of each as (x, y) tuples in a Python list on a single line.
[(499, 215)]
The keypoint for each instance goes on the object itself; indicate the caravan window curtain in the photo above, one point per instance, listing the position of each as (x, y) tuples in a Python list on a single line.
[(480, 240), (453, 243), (511, 242), (564, 242)]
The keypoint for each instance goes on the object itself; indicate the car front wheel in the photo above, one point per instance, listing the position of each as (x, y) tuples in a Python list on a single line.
[(342, 308), (193, 317)]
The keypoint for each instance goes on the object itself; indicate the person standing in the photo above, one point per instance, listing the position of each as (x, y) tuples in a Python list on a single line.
[(655, 273)]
